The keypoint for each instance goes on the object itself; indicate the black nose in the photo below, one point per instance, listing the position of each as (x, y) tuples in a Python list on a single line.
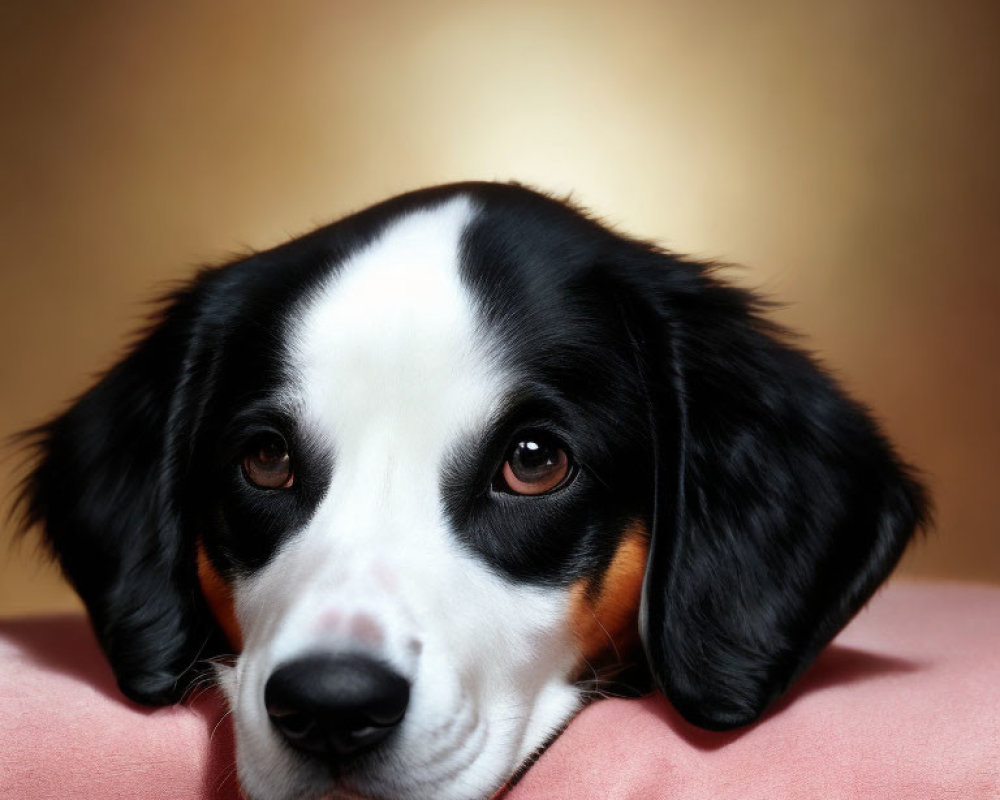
[(335, 705)]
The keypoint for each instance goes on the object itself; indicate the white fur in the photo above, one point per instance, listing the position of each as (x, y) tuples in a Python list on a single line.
[(390, 370)]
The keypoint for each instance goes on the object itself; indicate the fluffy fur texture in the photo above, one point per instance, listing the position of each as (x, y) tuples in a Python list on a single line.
[(727, 509)]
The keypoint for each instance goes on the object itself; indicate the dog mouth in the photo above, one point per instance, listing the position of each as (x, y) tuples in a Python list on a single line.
[(351, 784), (345, 793)]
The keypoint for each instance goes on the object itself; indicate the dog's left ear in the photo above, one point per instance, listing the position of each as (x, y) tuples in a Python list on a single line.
[(780, 507)]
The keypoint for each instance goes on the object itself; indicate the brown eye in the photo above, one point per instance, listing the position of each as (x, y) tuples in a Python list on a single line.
[(268, 464), (536, 464)]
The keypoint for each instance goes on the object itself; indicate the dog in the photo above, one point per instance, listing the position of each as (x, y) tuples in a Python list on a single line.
[(437, 473)]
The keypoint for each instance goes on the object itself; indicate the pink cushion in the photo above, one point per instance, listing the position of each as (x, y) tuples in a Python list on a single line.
[(905, 704), (67, 732)]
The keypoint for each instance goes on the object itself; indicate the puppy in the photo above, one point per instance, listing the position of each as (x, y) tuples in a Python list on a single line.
[(438, 471)]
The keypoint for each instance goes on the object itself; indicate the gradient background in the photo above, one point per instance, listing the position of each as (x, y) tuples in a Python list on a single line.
[(846, 153)]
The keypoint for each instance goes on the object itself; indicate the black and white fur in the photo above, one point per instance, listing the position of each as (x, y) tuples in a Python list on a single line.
[(398, 352)]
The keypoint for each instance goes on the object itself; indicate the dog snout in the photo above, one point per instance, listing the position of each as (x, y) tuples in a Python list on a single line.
[(336, 706)]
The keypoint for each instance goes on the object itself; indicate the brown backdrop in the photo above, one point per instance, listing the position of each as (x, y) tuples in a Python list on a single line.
[(846, 153)]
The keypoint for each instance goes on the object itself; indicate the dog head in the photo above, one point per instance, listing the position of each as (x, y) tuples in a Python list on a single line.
[(440, 470)]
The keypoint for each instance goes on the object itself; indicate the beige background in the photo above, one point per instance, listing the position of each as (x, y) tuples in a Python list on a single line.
[(846, 153)]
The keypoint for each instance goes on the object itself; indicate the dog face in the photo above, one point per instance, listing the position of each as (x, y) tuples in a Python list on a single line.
[(444, 468)]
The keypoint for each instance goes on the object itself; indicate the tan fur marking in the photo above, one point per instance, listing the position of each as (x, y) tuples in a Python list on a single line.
[(604, 616), (219, 596)]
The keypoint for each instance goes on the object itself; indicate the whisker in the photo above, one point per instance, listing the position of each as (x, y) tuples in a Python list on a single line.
[(217, 724), (227, 774)]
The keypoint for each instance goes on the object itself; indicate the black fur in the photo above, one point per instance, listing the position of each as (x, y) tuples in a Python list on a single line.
[(774, 504)]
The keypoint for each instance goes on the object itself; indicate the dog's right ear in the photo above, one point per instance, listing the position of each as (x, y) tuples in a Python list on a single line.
[(780, 506), (105, 484)]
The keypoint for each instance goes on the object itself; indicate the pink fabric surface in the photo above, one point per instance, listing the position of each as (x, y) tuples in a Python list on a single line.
[(66, 731), (905, 704)]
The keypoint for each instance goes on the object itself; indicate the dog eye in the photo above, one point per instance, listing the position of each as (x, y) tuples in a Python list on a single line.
[(268, 464), (536, 463)]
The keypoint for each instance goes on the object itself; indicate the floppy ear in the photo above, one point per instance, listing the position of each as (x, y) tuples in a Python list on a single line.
[(780, 506), (106, 484)]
